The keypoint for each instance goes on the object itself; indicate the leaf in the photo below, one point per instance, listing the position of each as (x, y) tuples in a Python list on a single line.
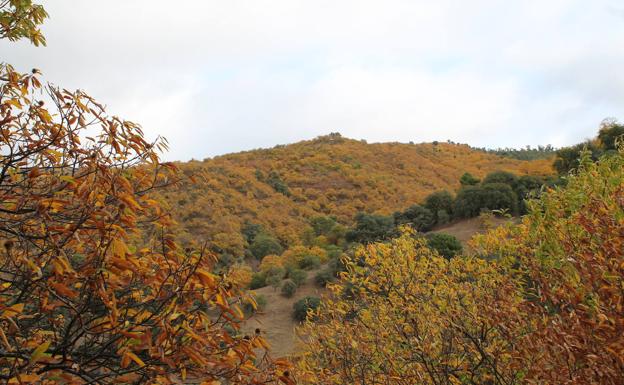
[(119, 248), (135, 358), (39, 352), (25, 379), (13, 310), (206, 278)]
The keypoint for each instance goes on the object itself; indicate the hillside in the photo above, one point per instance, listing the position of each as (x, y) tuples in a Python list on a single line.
[(281, 188)]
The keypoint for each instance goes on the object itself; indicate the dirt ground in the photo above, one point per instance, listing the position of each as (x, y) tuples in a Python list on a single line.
[(465, 229), (276, 321)]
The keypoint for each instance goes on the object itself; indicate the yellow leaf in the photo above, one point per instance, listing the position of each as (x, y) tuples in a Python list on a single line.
[(13, 310), (119, 248), (39, 351), (135, 358), (206, 278)]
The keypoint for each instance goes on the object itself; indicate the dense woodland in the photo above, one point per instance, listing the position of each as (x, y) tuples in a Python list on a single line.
[(118, 268)]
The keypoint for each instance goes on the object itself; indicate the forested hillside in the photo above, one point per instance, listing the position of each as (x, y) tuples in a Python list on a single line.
[(284, 187)]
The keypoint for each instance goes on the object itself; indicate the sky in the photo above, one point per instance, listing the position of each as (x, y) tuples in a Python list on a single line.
[(216, 77)]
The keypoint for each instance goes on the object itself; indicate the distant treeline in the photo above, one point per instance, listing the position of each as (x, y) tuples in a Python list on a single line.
[(527, 153)]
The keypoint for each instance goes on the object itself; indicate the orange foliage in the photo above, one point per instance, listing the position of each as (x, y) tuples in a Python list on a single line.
[(330, 175), (82, 298)]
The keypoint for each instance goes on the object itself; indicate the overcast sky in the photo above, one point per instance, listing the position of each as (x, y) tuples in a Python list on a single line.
[(223, 76)]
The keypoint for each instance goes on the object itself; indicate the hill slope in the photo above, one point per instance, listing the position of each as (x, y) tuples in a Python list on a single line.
[(281, 188)]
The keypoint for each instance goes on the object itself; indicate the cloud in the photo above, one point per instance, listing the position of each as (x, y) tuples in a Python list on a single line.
[(217, 76)]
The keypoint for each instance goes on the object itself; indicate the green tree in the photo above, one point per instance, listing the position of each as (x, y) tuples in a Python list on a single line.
[(610, 132), (468, 180), (445, 244), (371, 228), (501, 177), (440, 203), (263, 245), (420, 218)]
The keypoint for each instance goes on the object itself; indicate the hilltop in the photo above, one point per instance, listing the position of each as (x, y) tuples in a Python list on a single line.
[(283, 187)]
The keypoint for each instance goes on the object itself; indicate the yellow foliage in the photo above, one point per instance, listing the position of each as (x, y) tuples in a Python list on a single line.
[(271, 261), (324, 176)]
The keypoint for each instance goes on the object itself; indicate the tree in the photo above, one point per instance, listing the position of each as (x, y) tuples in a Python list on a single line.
[(404, 315), (21, 20), (263, 245), (493, 196), (445, 244), (610, 132), (568, 157), (468, 202), (468, 180), (371, 228), (94, 287), (501, 177), (568, 250), (440, 203), (420, 218)]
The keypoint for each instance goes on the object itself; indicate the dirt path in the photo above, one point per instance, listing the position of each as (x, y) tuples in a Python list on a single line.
[(276, 322)]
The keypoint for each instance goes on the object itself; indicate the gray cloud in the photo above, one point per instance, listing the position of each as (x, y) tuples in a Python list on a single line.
[(216, 76)]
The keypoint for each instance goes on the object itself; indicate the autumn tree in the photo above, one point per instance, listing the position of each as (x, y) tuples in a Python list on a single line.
[(570, 248), (401, 314), (85, 295)]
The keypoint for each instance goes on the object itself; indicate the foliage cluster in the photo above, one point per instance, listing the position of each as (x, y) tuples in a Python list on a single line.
[(540, 303)]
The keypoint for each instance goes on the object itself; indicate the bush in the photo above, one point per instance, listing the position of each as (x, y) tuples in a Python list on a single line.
[(263, 245), (333, 251), (445, 244), (420, 218), (301, 307), (494, 196), (310, 262), (440, 203), (289, 287), (298, 276), (468, 180), (258, 280), (371, 228), (322, 278), (501, 177), (442, 217)]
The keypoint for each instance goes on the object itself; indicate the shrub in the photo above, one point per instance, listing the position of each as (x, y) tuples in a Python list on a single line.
[(440, 203), (310, 262), (371, 228), (263, 245), (289, 287), (445, 244), (301, 307), (442, 217), (274, 276), (501, 177), (298, 276), (258, 280), (468, 180), (493, 196), (333, 252), (322, 278), (420, 218)]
